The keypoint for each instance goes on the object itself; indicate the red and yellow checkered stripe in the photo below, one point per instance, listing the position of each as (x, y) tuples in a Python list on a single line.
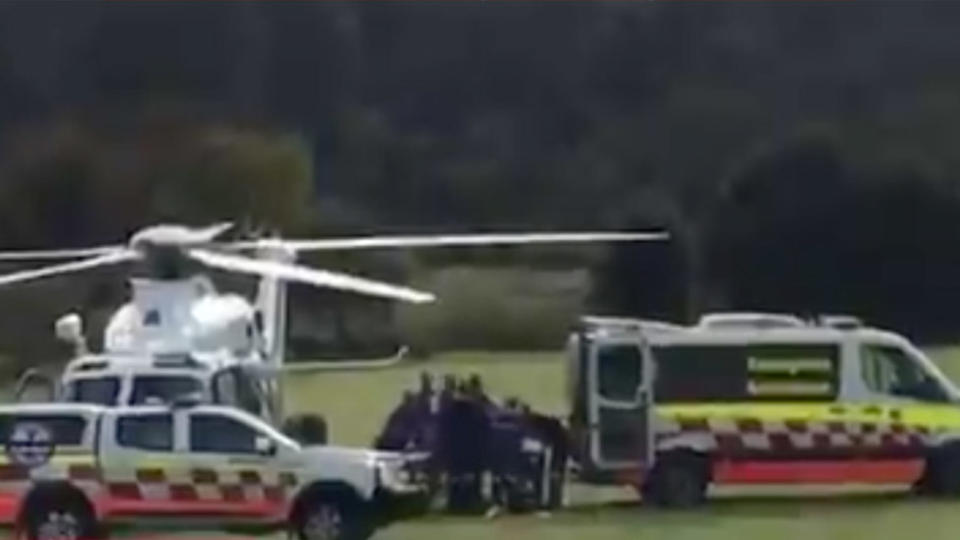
[(209, 485)]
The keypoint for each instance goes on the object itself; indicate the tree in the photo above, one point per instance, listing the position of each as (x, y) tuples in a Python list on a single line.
[(76, 183)]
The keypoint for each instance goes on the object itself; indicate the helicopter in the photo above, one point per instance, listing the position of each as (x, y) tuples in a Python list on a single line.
[(178, 335)]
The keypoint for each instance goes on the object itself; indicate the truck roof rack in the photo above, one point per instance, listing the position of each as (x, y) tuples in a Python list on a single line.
[(740, 320), (627, 324), (176, 360), (720, 321), (840, 322)]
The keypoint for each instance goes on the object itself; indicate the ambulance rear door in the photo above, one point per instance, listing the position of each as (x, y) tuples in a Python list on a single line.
[(620, 411)]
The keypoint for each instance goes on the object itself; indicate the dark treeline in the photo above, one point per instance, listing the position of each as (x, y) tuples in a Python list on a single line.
[(802, 155)]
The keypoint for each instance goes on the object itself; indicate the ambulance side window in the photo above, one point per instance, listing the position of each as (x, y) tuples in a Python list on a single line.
[(756, 372), (221, 434), (889, 370), (152, 432), (619, 371)]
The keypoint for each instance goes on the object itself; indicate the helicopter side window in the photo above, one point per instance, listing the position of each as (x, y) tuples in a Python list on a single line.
[(162, 389)]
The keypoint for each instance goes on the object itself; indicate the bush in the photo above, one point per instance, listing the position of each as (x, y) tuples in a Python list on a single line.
[(494, 308)]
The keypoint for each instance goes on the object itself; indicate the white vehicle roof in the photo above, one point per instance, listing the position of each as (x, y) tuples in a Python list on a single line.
[(171, 364), (51, 408), (749, 319), (739, 328)]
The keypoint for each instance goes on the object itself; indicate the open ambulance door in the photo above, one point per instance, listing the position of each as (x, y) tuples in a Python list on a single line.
[(619, 375)]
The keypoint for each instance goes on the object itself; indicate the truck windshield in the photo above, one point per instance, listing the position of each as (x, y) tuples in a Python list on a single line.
[(99, 391)]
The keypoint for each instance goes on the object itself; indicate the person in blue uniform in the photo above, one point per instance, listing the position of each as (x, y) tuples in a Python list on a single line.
[(400, 431), (464, 435)]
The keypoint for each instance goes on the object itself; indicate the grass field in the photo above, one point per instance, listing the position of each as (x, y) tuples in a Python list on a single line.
[(356, 403)]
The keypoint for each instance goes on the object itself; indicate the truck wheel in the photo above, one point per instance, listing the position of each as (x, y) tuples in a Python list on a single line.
[(329, 518), (60, 516), (678, 480)]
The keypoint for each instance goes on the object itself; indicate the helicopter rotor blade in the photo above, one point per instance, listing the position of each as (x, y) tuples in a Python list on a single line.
[(51, 254), (210, 232), (171, 234), (379, 242), (114, 257), (310, 276)]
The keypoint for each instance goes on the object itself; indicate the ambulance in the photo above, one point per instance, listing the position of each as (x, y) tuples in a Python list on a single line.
[(75, 471), (755, 398)]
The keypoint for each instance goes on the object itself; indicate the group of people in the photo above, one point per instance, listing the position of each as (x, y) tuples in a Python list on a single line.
[(482, 453)]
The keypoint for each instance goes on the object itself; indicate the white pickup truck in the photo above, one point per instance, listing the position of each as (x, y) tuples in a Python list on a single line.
[(77, 471)]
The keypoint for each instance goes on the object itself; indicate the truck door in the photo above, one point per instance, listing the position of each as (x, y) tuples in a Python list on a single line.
[(620, 379), (137, 455), (232, 465)]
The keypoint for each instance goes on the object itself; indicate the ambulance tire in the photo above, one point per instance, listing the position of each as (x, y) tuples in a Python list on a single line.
[(332, 515), (679, 479), (941, 475), (55, 508)]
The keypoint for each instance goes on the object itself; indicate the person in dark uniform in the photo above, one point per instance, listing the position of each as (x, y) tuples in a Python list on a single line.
[(506, 437), (449, 388), (556, 448), (476, 391), (464, 429), (529, 455), (400, 430), (426, 385), (426, 415)]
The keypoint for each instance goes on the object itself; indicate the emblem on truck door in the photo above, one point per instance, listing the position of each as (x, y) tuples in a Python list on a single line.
[(30, 444)]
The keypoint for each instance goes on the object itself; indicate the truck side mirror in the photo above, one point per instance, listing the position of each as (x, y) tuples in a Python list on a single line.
[(265, 446), (34, 387), (69, 329)]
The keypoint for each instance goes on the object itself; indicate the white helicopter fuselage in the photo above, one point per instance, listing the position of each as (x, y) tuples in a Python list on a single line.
[(182, 316), (180, 337)]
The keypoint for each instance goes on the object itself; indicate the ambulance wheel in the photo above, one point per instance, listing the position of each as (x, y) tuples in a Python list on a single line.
[(678, 480), (328, 517), (941, 476), (59, 514)]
